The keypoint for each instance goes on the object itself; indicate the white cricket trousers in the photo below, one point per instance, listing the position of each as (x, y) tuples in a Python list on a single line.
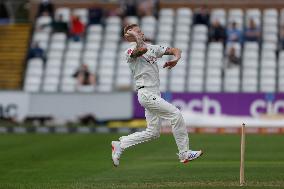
[(155, 109)]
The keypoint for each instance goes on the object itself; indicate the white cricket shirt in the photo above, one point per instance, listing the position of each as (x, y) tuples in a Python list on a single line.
[(144, 68)]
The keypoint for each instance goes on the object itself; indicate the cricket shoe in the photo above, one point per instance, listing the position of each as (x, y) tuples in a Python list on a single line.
[(189, 155), (116, 152)]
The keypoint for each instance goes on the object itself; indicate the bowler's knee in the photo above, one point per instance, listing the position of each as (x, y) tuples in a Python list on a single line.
[(177, 117), (154, 133), (177, 114)]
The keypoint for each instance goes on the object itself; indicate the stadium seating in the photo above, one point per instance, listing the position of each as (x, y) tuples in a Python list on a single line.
[(34, 74), (201, 67)]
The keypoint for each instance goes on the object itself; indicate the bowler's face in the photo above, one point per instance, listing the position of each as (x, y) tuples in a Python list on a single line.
[(138, 32)]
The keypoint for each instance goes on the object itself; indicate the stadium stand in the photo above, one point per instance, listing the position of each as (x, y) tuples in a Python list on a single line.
[(13, 47), (201, 67)]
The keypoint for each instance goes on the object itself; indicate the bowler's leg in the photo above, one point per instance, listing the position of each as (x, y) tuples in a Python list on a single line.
[(165, 110), (152, 131), (168, 111)]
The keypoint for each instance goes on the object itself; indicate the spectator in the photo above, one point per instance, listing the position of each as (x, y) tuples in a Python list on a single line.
[(234, 34), (148, 8), (84, 76), (36, 52), (202, 16), (282, 36), (232, 59), (46, 6), (252, 32), (4, 16), (77, 29), (60, 25), (128, 8), (95, 16), (217, 32)]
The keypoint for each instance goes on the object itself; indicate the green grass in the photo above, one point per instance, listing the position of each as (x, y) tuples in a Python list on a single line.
[(83, 162)]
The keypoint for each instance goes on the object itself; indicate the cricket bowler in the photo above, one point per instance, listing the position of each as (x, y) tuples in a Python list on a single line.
[(142, 60)]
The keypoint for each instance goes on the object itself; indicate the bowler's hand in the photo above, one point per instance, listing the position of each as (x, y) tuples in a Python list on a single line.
[(170, 64), (138, 52)]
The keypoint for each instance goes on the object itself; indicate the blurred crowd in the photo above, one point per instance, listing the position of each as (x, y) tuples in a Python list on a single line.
[(227, 34), (75, 29), (234, 33)]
